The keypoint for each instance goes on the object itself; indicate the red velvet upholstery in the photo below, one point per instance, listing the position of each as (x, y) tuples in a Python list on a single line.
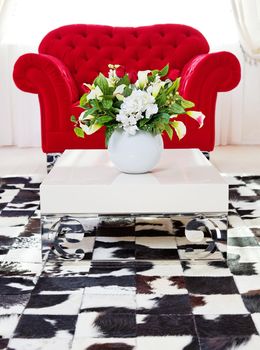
[(74, 54)]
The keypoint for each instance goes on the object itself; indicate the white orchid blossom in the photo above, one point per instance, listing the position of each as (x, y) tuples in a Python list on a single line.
[(142, 80), (95, 93)]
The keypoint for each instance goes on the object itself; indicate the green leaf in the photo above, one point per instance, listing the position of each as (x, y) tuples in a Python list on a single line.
[(163, 117), (124, 80), (127, 91), (107, 104), (73, 119), (161, 99), (164, 71), (102, 83), (187, 104), (177, 109), (154, 72), (142, 122), (168, 130), (89, 111), (79, 132), (83, 100), (104, 119), (174, 87), (95, 104), (109, 131)]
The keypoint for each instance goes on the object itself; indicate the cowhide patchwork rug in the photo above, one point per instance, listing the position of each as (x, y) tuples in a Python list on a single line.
[(150, 300)]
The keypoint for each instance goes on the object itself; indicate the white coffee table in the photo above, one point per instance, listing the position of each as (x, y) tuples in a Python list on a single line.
[(84, 183)]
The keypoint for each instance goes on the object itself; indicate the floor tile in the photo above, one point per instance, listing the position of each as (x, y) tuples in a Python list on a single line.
[(165, 325), (230, 343), (54, 304), (40, 344), (60, 285), (8, 324), (46, 326), (13, 304), (109, 302), (256, 319), (16, 285), (105, 325), (155, 268), (160, 284), (211, 285), (246, 284), (163, 304), (167, 343), (206, 268), (66, 269), (227, 304), (84, 343), (224, 325), (114, 248)]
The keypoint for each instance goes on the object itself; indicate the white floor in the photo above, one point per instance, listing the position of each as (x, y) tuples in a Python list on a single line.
[(241, 160)]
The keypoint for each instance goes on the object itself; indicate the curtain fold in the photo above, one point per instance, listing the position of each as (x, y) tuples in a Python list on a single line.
[(247, 16)]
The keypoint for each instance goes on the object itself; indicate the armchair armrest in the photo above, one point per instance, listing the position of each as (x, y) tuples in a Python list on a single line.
[(48, 77), (203, 77)]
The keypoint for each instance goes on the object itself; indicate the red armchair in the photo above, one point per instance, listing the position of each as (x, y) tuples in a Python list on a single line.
[(74, 54)]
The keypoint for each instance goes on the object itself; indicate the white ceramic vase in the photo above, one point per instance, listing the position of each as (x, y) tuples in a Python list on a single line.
[(135, 154)]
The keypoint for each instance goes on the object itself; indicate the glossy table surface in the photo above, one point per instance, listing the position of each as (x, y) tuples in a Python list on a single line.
[(86, 182)]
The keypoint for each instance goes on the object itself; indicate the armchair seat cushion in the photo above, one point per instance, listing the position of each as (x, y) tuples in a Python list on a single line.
[(74, 54)]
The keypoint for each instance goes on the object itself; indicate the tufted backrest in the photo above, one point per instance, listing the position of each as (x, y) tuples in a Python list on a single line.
[(87, 49)]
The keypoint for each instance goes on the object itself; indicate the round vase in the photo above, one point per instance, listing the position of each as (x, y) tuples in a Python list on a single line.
[(135, 154)]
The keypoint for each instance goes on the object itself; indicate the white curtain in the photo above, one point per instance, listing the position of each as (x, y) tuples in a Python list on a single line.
[(247, 16), (23, 23)]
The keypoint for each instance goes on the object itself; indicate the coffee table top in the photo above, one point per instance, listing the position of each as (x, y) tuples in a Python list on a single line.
[(86, 182)]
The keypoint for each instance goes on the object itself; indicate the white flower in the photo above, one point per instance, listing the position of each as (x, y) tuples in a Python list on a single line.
[(140, 104), (180, 128), (88, 129), (112, 76), (142, 80), (155, 86), (198, 116), (95, 93), (131, 130), (119, 92), (150, 110)]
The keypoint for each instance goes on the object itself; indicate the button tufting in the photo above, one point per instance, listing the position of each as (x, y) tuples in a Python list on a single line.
[(72, 45)]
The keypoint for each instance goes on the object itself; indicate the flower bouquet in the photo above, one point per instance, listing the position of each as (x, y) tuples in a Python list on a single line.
[(152, 103)]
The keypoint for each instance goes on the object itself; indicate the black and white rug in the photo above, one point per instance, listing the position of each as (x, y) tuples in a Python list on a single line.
[(152, 300)]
